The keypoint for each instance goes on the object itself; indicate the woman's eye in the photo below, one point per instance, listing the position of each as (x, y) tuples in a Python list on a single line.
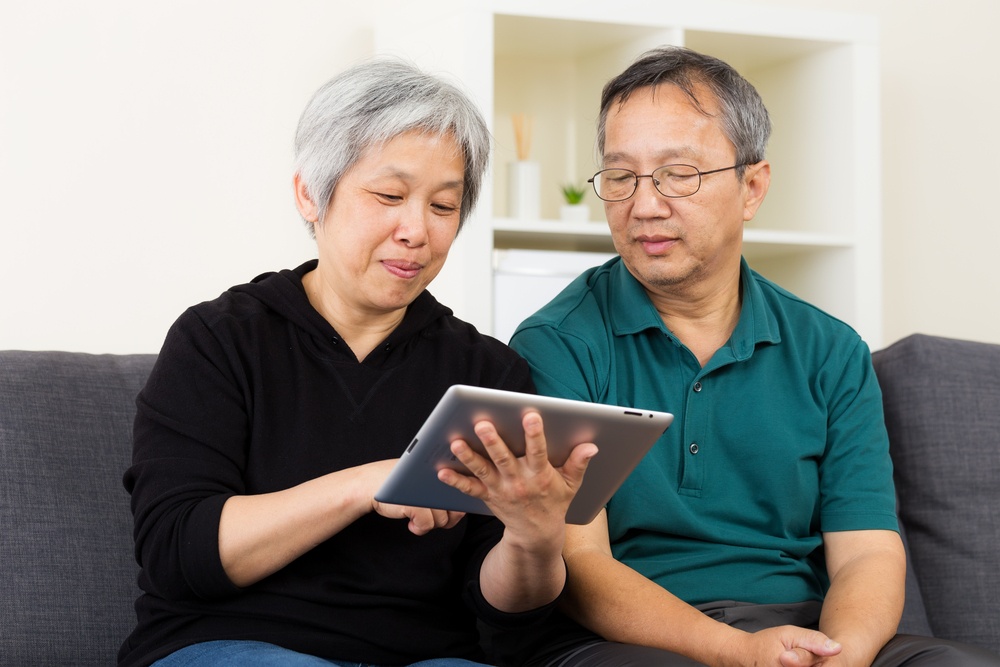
[(444, 208), (388, 197)]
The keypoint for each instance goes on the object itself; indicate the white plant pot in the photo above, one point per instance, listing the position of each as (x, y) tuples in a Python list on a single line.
[(574, 212)]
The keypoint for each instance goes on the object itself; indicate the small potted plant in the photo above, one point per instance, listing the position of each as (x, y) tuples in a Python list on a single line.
[(574, 209)]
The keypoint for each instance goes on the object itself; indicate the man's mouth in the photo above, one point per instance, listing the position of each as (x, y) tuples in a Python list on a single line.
[(656, 245)]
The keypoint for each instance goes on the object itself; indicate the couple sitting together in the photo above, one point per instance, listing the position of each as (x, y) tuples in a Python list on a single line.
[(759, 530)]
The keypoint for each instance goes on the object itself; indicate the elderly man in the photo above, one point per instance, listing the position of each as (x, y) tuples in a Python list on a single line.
[(760, 530)]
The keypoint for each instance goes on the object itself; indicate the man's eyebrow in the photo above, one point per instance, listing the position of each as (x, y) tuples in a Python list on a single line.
[(614, 157), (673, 153)]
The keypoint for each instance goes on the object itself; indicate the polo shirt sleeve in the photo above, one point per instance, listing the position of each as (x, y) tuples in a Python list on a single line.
[(856, 484), (563, 364)]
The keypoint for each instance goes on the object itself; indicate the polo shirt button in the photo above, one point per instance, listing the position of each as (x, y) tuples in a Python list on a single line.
[(697, 386), (693, 448)]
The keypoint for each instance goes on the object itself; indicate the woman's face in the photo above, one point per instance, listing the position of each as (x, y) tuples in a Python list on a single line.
[(391, 221)]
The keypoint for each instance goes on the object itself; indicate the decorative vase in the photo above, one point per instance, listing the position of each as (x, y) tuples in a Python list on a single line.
[(523, 200), (574, 212)]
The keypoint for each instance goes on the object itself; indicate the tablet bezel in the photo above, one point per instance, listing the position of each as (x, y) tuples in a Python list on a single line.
[(623, 435)]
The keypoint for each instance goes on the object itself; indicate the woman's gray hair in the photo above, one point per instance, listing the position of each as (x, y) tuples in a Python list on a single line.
[(370, 104), (745, 120)]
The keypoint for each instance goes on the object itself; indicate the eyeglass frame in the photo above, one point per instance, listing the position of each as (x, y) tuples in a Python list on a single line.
[(650, 177)]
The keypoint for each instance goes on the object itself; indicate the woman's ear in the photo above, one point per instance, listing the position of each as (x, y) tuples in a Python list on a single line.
[(757, 180), (304, 202)]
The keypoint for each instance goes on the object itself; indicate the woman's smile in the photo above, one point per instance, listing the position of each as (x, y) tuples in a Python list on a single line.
[(402, 268)]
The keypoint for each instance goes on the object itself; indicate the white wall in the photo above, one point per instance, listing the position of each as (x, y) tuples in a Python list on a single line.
[(145, 158), (941, 175)]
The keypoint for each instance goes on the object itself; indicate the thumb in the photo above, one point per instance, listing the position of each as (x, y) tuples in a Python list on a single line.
[(576, 465), (810, 651)]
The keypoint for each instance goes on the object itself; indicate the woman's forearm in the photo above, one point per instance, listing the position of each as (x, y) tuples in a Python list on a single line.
[(260, 534), (514, 579)]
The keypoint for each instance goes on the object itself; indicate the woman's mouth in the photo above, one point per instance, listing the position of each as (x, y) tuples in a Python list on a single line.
[(401, 268)]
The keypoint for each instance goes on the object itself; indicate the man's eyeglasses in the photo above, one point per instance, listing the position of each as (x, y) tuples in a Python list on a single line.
[(672, 180)]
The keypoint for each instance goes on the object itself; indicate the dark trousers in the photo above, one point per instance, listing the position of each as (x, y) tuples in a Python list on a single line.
[(588, 650)]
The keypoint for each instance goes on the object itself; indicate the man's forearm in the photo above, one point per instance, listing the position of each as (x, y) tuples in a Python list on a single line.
[(621, 605), (865, 602)]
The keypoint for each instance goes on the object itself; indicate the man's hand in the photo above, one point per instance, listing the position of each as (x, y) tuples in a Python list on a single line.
[(786, 645)]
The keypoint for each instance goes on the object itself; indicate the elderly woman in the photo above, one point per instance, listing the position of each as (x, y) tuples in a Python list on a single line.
[(275, 412)]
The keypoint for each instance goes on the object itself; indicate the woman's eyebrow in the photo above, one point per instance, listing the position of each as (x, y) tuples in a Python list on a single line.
[(393, 172)]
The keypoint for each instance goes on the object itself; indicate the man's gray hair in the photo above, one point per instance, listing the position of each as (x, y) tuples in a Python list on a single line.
[(745, 120), (370, 104)]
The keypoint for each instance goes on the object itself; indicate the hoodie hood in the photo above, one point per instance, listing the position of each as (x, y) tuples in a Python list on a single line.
[(282, 292)]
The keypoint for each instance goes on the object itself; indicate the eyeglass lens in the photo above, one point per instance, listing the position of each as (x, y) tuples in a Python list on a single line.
[(672, 180)]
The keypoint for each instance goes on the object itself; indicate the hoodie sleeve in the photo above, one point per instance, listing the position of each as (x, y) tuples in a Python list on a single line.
[(189, 453)]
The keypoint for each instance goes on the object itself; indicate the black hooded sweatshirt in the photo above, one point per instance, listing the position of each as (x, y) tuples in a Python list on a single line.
[(255, 392)]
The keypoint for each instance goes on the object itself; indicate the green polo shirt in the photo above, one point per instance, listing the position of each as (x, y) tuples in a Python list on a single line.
[(779, 438)]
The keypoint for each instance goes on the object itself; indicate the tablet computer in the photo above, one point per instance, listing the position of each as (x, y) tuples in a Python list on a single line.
[(623, 436)]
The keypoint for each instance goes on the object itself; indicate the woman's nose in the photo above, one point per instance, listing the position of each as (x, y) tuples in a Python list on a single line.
[(412, 228)]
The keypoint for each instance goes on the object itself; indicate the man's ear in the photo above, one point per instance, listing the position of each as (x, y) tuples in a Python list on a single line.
[(756, 179), (304, 202)]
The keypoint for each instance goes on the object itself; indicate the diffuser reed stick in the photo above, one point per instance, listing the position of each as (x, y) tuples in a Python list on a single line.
[(522, 135)]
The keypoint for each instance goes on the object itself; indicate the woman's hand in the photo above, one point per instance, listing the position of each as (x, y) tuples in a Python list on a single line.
[(422, 520), (530, 496), (526, 493)]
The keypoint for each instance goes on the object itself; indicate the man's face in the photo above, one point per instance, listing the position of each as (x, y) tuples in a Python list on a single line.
[(673, 245)]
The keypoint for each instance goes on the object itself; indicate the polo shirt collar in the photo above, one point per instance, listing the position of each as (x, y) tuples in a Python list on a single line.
[(632, 311), (758, 322)]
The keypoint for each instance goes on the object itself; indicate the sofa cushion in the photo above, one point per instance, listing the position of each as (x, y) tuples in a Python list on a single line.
[(65, 526), (942, 405)]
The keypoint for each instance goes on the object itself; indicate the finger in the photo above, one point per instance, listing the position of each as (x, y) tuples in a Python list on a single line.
[(577, 463), (535, 447), (421, 520), (480, 469), (467, 484), (817, 643), (808, 648), (503, 459), (797, 657), (440, 518)]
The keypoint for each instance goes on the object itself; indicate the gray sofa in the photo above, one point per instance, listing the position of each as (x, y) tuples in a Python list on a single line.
[(65, 527)]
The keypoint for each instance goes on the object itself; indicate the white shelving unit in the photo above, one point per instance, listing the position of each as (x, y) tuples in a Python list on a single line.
[(818, 232)]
